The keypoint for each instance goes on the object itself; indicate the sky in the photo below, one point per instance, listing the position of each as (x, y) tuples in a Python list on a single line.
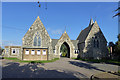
[(17, 18)]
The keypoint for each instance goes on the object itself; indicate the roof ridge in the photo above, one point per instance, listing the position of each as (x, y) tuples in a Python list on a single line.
[(55, 39)]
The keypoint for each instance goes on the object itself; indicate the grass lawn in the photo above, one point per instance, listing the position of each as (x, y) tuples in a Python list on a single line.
[(17, 60), (99, 61), (119, 71)]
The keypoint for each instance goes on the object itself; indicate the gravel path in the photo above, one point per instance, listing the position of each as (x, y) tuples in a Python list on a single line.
[(63, 68)]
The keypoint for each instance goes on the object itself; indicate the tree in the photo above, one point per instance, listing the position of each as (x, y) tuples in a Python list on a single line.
[(117, 47), (64, 50), (118, 37), (0, 50), (110, 44)]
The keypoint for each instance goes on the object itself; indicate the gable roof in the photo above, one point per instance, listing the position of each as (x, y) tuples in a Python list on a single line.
[(54, 42), (84, 33), (38, 22), (75, 43), (100, 31), (65, 33)]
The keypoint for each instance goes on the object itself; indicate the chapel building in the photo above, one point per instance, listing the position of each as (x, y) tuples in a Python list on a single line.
[(37, 44)]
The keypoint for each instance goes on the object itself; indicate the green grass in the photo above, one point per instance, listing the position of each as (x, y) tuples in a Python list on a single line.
[(11, 58), (74, 58), (44, 61), (99, 61), (119, 71), (114, 61)]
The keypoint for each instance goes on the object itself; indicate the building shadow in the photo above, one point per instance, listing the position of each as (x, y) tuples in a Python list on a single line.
[(85, 65), (33, 70)]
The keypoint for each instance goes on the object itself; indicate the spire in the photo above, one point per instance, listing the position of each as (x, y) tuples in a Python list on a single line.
[(91, 21)]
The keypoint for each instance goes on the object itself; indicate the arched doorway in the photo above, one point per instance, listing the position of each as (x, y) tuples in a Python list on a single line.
[(65, 50)]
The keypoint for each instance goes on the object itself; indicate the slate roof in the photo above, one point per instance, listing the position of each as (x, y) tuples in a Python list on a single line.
[(54, 42), (84, 33), (75, 43)]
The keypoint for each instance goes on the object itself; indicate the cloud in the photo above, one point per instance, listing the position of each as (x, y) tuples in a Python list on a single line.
[(55, 32), (59, 31), (10, 43)]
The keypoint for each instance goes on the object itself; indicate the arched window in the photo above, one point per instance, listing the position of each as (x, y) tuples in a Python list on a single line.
[(35, 41), (39, 41), (75, 51), (95, 37), (97, 44)]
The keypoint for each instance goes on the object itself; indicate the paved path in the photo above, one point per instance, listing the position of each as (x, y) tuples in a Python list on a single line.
[(63, 68)]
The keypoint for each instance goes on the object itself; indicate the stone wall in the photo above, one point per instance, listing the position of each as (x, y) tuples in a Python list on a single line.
[(38, 28), (95, 52), (64, 38), (8, 52)]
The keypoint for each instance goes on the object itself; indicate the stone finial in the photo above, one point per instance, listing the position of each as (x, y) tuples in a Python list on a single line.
[(65, 31), (95, 21), (91, 21), (38, 17)]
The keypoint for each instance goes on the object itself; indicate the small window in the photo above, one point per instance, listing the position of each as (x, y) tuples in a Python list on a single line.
[(75, 51), (27, 52), (13, 51), (97, 44), (44, 52), (17, 51), (95, 37), (38, 52), (7, 50), (33, 52), (54, 51)]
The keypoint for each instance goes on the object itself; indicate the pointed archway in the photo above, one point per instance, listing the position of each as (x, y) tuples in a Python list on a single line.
[(64, 39), (65, 50)]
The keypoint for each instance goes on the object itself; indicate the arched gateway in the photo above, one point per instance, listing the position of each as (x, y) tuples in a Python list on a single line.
[(65, 50), (64, 39)]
